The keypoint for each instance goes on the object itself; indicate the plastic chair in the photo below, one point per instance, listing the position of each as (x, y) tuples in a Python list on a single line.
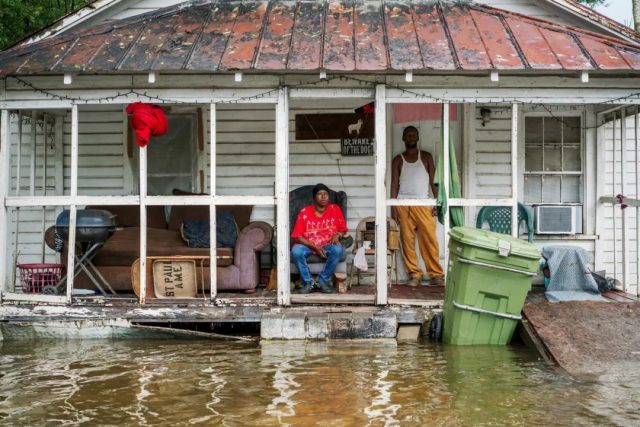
[(499, 219), (362, 235)]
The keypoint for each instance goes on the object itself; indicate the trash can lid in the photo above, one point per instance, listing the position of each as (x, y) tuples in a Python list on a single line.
[(494, 241)]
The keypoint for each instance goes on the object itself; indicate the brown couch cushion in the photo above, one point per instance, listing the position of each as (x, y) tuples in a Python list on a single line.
[(129, 216), (124, 247)]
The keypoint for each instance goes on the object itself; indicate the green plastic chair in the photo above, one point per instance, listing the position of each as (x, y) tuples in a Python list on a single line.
[(499, 219)]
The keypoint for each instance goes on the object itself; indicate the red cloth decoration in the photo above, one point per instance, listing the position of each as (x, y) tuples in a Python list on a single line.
[(147, 120)]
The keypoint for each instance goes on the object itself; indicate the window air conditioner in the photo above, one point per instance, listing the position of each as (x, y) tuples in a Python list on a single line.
[(558, 219)]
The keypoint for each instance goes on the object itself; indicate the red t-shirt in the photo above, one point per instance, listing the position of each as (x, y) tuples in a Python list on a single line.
[(319, 229)]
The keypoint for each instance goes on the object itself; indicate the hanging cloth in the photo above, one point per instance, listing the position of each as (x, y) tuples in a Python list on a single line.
[(455, 190), (147, 120)]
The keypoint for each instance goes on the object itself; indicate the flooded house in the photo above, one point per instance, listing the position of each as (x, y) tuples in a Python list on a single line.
[(521, 103)]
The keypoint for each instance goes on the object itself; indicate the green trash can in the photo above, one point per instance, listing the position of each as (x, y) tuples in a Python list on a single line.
[(488, 277)]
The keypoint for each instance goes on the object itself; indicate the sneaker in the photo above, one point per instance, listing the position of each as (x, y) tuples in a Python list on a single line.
[(437, 281), (415, 281), (307, 288), (325, 288)]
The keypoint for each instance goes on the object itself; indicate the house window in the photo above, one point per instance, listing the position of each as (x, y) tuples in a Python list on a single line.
[(553, 160)]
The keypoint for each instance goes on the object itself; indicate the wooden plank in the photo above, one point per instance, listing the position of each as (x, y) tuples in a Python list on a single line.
[(243, 41), (332, 299), (282, 197), (5, 158), (339, 50), (514, 169), (305, 49), (529, 336), (370, 50), (381, 195), (276, 40), (432, 39), (404, 52)]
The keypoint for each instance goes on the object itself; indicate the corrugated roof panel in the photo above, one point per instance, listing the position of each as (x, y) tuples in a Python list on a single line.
[(339, 49), (276, 40), (534, 46), (432, 39), (45, 59), (633, 58), (471, 53), (245, 38), (307, 37), (340, 35), (115, 46), (497, 41), (607, 57), (567, 50), (144, 51), (80, 55), (404, 52), (371, 53), (213, 40), (176, 49)]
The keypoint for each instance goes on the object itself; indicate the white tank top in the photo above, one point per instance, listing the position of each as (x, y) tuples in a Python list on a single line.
[(414, 180)]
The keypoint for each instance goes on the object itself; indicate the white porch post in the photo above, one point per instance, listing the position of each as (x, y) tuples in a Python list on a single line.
[(623, 154), (282, 196), (73, 208), (381, 194), (637, 195), (143, 224), (213, 262), (514, 169), (4, 190), (446, 172)]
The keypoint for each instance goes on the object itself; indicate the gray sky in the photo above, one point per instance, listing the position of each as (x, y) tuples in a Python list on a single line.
[(620, 10)]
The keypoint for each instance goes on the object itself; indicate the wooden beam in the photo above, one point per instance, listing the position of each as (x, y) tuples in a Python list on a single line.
[(446, 172), (623, 170), (282, 196), (5, 157), (73, 208), (514, 169), (143, 223), (381, 194), (213, 271)]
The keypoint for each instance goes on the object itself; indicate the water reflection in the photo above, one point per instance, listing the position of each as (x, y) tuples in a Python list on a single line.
[(375, 383)]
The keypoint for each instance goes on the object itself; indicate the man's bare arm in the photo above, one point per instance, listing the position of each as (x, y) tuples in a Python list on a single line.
[(431, 170), (396, 166)]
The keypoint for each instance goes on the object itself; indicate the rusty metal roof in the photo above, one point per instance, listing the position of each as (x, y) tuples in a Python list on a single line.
[(294, 36)]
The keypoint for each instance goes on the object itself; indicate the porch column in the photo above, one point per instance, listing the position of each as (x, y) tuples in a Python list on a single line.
[(4, 190), (514, 169), (282, 196), (623, 213), (73, 208), (446, 172), (381, 194), (143, 224), (213, 261)]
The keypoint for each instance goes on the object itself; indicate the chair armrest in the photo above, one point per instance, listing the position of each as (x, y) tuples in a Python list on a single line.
[(259, 232), (49, 237)]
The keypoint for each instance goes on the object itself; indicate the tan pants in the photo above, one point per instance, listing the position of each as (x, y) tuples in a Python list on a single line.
[(420, 219)]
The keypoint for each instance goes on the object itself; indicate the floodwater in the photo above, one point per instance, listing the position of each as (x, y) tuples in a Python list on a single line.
[(197, 382)]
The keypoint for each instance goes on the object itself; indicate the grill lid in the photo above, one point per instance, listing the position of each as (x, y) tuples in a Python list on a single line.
[(88, 218)]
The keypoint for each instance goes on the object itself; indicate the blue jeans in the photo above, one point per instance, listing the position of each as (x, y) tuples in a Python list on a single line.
[(300, 253)]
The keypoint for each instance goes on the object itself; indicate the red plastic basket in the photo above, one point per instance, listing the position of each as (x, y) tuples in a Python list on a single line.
[(34, 277)]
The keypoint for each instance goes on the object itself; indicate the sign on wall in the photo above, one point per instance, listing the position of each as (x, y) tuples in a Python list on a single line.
[(334, 126), (356, 146)]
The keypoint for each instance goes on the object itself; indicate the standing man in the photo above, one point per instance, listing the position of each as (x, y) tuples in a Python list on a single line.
[(318, 230), (412, 174)]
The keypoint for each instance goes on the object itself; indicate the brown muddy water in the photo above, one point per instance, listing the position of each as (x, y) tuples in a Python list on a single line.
[(193, 382)]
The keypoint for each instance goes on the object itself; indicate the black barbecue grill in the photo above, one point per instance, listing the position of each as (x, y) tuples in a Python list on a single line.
[(93, 228)]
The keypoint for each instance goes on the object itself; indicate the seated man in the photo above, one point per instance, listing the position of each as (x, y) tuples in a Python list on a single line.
[(318, 230)]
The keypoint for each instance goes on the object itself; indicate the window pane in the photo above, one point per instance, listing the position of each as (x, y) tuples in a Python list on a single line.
[(551, 189), (571, 130), (571, 192), (552, 130), (552, 159), (533, 130), (533, 159), (571, 159), (532, 189)]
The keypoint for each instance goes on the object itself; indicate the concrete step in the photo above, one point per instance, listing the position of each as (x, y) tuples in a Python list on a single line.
[(328, 325)]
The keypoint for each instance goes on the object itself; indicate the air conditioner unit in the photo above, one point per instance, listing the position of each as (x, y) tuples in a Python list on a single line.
[(558, 219)]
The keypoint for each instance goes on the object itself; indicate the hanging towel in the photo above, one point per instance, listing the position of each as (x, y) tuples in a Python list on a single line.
[(147, 120), (455, 190)]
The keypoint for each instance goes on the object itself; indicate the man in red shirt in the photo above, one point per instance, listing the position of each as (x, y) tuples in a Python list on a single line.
[(318, 230)]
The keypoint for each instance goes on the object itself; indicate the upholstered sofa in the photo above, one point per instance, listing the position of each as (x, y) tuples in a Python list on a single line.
[(238, 267)]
